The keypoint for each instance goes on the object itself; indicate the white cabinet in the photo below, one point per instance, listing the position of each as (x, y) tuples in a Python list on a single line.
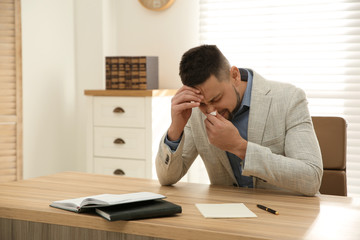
[(124, 130)]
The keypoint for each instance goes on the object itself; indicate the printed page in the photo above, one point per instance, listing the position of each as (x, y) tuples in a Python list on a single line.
[(112, 199)]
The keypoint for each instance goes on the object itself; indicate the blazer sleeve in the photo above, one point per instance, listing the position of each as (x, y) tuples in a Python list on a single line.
[(172, 166), (292, 160)]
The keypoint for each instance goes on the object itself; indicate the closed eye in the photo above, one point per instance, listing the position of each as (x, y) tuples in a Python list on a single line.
[(215, 100)]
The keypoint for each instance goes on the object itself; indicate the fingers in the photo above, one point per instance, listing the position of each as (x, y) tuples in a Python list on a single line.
[(214, 118), (221, 117), (185, 105), (187, 97)]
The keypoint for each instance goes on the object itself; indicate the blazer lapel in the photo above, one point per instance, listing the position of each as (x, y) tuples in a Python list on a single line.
[(259, 108), (221, 155)]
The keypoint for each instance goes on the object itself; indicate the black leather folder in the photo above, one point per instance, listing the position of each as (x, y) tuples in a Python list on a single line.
[(139, 210)]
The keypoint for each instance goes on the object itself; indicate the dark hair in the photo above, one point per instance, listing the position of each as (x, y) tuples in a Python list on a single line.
[(199, 63)]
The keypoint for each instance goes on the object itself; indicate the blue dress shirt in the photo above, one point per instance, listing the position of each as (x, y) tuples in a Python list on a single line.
[(240, 121)]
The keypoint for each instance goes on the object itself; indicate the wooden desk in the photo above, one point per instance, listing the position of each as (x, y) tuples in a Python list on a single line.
[(25, 212)]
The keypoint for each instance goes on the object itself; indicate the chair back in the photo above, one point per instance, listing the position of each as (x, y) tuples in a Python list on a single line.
[(331, 134)]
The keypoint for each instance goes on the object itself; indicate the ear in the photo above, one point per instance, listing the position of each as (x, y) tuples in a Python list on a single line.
[(235, 75)]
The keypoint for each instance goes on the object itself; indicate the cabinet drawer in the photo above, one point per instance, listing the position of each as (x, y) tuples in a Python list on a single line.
[(130, 168), (119, 142), (119, 111)]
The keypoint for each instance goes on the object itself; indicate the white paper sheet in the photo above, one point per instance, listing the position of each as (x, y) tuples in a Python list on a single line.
[(225, 210)]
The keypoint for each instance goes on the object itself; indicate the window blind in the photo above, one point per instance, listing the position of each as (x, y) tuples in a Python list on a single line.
[(10, 91), (313, 44)]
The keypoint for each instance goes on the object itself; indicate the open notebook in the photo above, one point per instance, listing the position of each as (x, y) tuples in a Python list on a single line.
[(104, 200)]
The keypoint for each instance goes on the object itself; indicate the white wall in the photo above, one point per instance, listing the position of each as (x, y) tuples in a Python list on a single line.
[(49, 109), (130, 29), (89, 61), (64, 45)]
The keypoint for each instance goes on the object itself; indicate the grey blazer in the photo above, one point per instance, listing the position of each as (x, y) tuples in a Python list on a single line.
[(282, 152)]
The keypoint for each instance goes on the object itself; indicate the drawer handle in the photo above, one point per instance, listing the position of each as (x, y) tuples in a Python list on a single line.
[(119, 172), (119, 110), (119, 141)]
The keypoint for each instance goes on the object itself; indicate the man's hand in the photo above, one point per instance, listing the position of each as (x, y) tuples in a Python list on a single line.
[(224, 135), (182, 103)]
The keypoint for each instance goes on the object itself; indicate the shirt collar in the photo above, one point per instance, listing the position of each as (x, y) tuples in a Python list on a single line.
[(245, 103), (247, 95)]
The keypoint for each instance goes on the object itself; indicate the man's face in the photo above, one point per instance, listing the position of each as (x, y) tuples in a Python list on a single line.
[(222, 97)]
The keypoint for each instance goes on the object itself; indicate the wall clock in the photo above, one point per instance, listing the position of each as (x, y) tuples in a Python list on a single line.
[(156, 5)]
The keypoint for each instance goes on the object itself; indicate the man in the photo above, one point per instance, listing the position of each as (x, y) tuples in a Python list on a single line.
[(249, 132)]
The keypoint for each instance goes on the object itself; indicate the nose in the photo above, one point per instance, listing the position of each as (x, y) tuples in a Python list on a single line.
[(210, 108)]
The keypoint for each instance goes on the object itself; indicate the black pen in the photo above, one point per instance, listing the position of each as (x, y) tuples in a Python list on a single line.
[(267, 209)]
